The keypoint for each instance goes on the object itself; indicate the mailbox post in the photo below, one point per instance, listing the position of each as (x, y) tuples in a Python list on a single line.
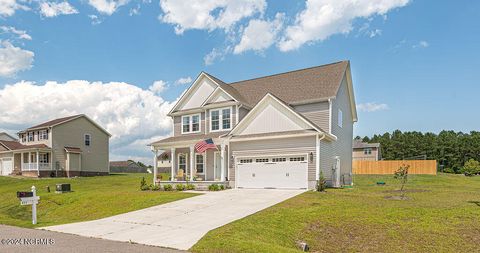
[(30, 198), (34, 206)]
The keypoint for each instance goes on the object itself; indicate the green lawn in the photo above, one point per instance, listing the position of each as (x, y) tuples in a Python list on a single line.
[(92, 198), (442, 215)]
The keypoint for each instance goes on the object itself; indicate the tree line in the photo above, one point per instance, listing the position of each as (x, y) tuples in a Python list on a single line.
[(451, 149)]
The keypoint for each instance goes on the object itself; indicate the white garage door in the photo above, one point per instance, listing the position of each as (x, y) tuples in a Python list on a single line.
[(272, 172), (6, 166)]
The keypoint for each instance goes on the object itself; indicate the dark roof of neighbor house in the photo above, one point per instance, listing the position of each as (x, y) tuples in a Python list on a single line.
[(9, 136), (15, 145), (122, 163), (310, 84), (54, 122), (360, 144)]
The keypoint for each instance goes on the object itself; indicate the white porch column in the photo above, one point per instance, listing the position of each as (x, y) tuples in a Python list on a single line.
[(222, 160), (155, 165), (317, 158), (21, 161), (29, 160), (172, 171), (38, 163), (192, 161)]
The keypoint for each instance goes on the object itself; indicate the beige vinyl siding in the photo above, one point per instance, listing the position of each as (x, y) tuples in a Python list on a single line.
[(283, 146), (95, 158), (343, 146), (358, 154), (327, 160), (318, 113), (36, 139), (242, 112), (74, 162)]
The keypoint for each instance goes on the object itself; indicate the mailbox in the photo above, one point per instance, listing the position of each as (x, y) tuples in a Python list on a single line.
[(24, 194), (63, 188)]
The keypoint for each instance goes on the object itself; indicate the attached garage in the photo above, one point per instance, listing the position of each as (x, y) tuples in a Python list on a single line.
[(6, 166), (281, 172)]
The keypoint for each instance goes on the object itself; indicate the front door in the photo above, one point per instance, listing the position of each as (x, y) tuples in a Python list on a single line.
[(217, 166)]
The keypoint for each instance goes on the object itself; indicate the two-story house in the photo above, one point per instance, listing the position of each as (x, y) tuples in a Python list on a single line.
[(363, 151), (278, 131), (69, 146)]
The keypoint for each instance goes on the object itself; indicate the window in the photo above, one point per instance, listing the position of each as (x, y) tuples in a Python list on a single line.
[(340, 118), (182, 162), (88, 140), (261, 160), (24, 137), (215, 120), (43, 135), (367, 151), (30, 136), (280, 159), (199, 164), (191, 123), (221, 119), (246, 160), (297, 159), (43, 158)]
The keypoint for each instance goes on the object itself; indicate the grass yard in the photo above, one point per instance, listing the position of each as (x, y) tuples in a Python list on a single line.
[(441, 215), (92, 198)]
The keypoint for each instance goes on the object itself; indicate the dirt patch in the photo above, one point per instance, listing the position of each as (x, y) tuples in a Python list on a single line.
[(407, 191), (397, 197)]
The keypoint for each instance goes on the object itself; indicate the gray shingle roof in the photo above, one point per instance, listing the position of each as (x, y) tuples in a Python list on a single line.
[(360, 144)]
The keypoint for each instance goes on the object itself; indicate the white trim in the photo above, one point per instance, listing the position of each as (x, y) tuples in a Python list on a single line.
[(275, 155), (237, 112), (272, 137), (220, 118), (190, 122), (255, 109), (203, 155), (340, 118), (215, 163), (330, 116), (214, 93)]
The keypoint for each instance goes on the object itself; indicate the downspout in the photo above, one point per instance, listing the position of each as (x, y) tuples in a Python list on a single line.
[(317, 165)]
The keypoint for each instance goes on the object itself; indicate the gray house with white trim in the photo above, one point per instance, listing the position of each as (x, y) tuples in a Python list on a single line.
[(277, 131)]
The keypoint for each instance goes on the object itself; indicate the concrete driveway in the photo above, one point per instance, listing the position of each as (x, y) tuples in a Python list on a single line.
[(182, 223)]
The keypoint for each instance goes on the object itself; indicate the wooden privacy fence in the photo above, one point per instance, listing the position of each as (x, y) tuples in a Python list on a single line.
[(389, 167)]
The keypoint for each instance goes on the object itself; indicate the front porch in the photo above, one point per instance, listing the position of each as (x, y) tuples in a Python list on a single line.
[(189, 166), (35, 162)]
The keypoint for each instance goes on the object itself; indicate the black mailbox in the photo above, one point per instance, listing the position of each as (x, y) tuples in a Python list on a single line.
[(63, 188), (24, 194)]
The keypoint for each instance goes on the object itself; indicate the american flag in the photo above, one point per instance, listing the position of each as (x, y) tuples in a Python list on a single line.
[(204, 145)]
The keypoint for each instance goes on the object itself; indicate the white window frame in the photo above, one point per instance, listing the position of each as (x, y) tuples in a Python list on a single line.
[(203, 164), (42, 135), (178, 163), (340, 118), (220, 119), (24, 138), (190, 122), (89, 140)]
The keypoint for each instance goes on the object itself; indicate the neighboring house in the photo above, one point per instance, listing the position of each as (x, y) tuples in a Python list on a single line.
[(278, 131), (70, 146), (126, 167), (363, 151), (164, 162), (6, 137)]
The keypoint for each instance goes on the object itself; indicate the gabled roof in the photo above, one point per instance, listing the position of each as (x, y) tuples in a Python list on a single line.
[(360, 144), (63, 120), (9, 136), (73, 150), (123, 164), (15, 145)]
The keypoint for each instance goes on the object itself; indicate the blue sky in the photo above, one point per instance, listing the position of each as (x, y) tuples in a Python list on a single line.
[(414, 63)]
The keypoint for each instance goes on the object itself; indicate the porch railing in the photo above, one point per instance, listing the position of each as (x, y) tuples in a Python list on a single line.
[(35, 166)]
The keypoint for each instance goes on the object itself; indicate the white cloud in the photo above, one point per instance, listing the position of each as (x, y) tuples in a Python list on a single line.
[(53, 9), (216, 54), (158, 87), (95, 20), (322, 18), (107, 7), (375, 33), (260, 34), (133, 116), (421, 44), (184, 80), (208, 14), (372, 107), (8, 7), (19, 33), (14, 59)]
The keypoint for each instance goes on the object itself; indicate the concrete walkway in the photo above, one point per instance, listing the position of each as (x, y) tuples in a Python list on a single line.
[(182, 223)]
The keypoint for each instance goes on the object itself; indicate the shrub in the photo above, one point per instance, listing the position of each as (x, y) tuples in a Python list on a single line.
[(190, 187), (213, 187), (143, 184), (222, 187), (471, 168), (155, 187), (402, 175), (180, 187), (321, 183), (449, 170), (167, 187)]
